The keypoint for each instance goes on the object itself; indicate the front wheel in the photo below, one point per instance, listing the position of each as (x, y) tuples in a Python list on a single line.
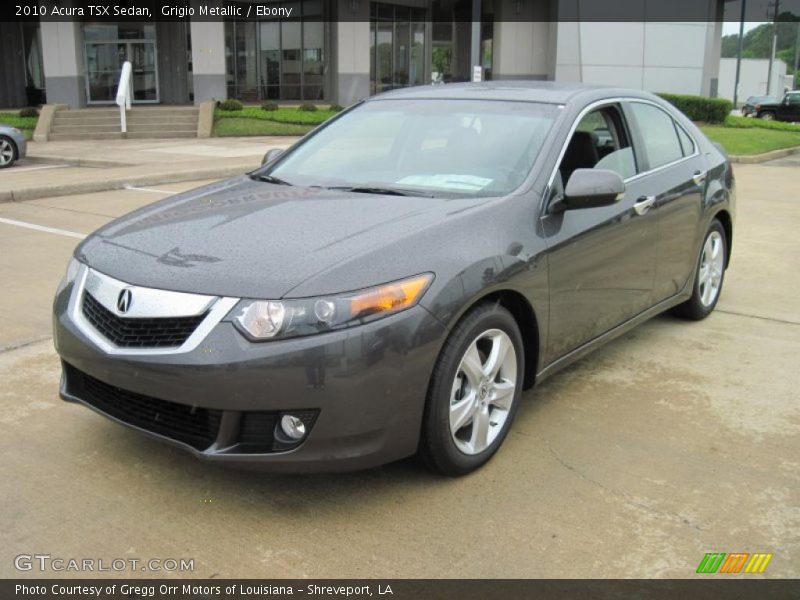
[(8, 152), (767, 116), (709, 277), (474, 391)]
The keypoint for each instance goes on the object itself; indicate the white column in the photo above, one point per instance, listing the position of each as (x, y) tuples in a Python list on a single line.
[(208, 60), (63, 59)]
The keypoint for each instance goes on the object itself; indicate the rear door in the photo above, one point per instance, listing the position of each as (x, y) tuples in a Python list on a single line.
[(673, 173)]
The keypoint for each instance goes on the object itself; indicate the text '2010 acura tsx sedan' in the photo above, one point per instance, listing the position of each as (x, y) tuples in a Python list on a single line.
[(392, 283)]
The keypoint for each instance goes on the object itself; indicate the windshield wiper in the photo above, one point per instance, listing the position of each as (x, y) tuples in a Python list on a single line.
[(387, 191), (271, 179)]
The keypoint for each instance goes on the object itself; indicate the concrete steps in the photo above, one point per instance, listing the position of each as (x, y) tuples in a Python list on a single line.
[(142, 123)]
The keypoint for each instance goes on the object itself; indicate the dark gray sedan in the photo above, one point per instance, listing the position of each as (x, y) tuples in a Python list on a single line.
[(392, 283)]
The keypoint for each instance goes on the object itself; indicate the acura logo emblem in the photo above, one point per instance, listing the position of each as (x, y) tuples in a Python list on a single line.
[(124, 300)]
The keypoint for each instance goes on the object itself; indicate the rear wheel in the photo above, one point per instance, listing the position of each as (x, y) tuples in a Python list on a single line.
[(8, 152), (767, 115), (710, 275), (474, 392)]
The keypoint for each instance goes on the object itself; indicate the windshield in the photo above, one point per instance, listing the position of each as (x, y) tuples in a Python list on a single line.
[(439, 147)]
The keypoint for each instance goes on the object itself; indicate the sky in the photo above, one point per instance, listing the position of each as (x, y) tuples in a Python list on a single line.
[(729, 28)]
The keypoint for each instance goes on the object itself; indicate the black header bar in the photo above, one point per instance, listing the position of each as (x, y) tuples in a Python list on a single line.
[(640, 11)]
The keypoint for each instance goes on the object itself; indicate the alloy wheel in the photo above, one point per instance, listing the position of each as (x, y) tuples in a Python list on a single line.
[(483, 391), (711, 267), (6, 152)]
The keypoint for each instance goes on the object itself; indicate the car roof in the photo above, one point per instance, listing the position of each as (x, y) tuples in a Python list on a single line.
[(518, 90)]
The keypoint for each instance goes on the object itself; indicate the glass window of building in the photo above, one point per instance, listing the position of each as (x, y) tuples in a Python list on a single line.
[(278, 59), (397, 46), (452, 40), (34, 65)]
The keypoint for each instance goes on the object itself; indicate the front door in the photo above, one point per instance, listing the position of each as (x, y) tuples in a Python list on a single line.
[(104, 65), (601, 261), (789, 109)]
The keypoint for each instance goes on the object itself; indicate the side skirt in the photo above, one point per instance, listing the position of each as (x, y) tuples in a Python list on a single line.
[(609, 335)]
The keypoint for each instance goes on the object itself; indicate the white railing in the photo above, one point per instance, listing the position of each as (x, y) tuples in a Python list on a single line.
[(124, 94)]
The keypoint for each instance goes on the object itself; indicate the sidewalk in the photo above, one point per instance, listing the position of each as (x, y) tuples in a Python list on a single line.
[(78, 167)]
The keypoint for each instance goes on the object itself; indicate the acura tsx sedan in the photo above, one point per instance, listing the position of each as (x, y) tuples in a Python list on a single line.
[(390, 284)]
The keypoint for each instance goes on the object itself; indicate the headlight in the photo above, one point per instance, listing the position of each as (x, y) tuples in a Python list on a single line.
[(16, 131), (261, 320), (73, 266)]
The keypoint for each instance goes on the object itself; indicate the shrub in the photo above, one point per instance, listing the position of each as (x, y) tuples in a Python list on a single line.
[(308, 107), (231, 104), (700, 108), (269, 106), (28, 112), (336, 108)]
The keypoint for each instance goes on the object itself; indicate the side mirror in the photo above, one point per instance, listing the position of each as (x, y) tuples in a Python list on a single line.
[(590, 188), (271, 155)]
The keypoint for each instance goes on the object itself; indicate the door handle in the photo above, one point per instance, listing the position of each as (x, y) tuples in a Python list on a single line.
[(643, 204), (699, 177)]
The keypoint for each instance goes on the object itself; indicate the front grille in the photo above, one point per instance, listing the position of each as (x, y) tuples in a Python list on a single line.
[(197, 427), (126, 332)]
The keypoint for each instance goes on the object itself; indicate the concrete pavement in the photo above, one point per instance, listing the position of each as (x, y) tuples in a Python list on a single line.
[(79, 167), (675, 440)]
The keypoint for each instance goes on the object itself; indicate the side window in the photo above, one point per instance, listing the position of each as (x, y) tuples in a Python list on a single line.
[(658, 134), (600, 141), (687, 145), (794, 99)]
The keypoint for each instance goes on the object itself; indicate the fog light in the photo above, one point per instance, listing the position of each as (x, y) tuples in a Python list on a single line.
[(293, 427)]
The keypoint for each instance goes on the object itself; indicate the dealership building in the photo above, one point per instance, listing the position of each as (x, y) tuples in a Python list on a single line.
[(338, 51)]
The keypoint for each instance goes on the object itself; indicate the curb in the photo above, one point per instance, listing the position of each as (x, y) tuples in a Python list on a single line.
[(754, 159), (77, 162), (119, 183)]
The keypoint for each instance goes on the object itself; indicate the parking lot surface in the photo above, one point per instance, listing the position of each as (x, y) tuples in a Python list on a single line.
[(675, 440)]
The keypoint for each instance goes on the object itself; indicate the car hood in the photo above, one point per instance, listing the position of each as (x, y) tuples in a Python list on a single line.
[(247, 238)]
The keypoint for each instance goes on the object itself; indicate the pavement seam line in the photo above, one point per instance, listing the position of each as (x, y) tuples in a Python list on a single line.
[(22, 345), (630, 501), (773, 319), (72, 210)]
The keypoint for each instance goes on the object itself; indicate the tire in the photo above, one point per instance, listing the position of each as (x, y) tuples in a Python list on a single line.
[(488, 398), (767, 115), (7, 146), (704, 298)]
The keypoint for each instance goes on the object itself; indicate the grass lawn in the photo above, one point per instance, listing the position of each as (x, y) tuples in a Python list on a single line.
[(26, 124), (254, 121), (749, 122), (234, 127), (751, 140)]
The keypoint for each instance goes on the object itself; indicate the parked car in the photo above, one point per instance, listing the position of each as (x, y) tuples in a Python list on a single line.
[(391, 283), (749, 107), (12, 145), (787, 109)]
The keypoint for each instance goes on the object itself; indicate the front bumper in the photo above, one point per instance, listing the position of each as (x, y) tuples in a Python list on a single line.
[(365, 386), (21, 143)]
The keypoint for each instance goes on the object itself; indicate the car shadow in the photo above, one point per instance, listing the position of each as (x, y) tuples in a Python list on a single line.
[(163, 466)]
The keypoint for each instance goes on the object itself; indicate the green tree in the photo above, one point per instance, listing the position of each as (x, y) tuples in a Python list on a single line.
[(758, 41)]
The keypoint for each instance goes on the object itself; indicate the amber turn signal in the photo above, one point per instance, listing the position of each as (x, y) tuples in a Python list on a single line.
[(390, 297)]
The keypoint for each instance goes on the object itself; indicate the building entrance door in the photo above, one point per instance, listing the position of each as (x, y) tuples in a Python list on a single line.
[(104, 64)]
